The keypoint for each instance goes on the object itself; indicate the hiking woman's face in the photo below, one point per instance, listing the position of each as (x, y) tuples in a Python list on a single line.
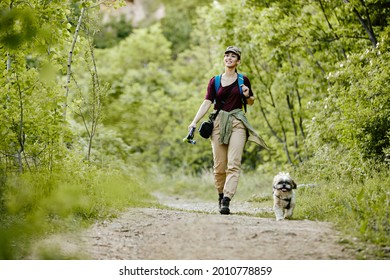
[(231, 60)]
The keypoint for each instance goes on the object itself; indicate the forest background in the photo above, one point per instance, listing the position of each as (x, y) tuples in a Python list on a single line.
[(94, 112)]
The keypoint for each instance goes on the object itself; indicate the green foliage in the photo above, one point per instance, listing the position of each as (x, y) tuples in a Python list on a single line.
[(17, 26), (31, 117), (356, 113), (112, 32), (31, 97), (180, 34)]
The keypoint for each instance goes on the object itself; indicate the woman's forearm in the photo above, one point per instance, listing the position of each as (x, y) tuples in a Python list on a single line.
[(203, 109)]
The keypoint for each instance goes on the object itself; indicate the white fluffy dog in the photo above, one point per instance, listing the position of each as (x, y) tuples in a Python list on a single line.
[(284, 197)]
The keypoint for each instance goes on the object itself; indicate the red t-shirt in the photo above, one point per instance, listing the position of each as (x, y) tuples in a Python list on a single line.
[(230, 94)]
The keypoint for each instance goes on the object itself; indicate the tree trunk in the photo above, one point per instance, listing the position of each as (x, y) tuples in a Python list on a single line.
[(69, 71), (21, 135)]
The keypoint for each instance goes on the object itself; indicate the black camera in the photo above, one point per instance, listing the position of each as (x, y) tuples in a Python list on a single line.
[(190, 137)]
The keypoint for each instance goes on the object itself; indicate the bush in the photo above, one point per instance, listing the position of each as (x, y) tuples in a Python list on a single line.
[(356, 114)]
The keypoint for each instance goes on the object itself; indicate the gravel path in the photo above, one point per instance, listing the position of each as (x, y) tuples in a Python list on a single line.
[(202, 234)]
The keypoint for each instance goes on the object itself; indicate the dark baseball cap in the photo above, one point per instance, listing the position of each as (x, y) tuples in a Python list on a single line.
[(233, 49)]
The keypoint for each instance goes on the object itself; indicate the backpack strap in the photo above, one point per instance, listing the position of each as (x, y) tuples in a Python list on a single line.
[(217, 84), (240, 78)]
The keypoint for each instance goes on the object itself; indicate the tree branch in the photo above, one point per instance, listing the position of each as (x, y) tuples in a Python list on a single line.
[(368, 28), (331, 27)]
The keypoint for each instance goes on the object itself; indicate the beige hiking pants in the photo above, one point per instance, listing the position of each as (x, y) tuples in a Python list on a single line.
[(227, 158)]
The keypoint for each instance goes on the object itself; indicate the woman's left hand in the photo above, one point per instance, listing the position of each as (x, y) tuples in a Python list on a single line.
[(245, 90)]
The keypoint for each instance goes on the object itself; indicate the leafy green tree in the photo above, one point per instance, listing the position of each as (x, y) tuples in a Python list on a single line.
[(37, 50), (357, 111), (30, 93)]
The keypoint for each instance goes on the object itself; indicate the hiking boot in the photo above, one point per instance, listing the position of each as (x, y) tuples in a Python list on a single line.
[(225, 206), (220, 200)]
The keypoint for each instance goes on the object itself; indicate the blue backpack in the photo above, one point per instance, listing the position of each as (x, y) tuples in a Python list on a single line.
[(217, 84)]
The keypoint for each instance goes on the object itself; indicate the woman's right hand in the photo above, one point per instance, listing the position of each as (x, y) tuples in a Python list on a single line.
[(191, 126)]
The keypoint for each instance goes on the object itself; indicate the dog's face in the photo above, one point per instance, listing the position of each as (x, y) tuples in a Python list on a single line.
[(283, 182)]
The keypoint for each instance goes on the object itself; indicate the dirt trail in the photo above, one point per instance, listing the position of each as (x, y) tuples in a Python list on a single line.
[(149, 233)]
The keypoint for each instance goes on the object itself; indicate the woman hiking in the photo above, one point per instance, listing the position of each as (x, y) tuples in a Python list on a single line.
[(231, 128)]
